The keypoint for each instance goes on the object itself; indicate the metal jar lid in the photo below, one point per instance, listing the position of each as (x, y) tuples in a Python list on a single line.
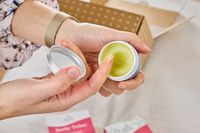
[(60, 57)]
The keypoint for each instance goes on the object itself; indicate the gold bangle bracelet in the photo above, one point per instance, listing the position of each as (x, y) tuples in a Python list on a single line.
[(54, 26)]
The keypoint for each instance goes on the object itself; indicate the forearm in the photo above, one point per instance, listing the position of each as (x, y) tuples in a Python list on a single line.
[(31, 21), (12, 98), (3, 109), (3, 113)]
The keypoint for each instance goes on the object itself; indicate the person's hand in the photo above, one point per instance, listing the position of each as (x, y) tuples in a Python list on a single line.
[(110, 86), (75, 49), (50, 93), (90, 38)]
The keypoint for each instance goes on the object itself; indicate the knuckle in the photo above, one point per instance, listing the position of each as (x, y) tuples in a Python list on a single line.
[(131, 88), (119, 92), (105, 94), (61, 83), (115, 90), (92, 89), (58, 83)]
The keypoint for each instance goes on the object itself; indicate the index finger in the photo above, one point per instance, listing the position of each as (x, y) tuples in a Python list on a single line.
[(90, 87)]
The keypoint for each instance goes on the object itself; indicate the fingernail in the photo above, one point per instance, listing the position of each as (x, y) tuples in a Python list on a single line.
[(122, 86), (109, 59), (108, 64), (146, 47), (73, 73)]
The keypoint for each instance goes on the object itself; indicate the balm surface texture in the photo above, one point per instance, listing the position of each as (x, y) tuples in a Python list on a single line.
[(123, 58)]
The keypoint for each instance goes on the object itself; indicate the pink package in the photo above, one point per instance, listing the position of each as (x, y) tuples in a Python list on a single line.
[(76, 122), (138, 125)]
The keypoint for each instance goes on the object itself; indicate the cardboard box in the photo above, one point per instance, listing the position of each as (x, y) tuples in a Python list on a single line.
[(120, 15), (99, 1), (154, 16)]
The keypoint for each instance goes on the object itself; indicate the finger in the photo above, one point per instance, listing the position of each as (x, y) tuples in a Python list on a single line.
[(60, 82), (112, 86), (132, 84), (79, 92), (134, 40), (104, 92), (92, 86), (74, 48)]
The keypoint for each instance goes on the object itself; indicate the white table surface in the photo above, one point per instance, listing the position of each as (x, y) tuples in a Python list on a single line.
[(168, 100)]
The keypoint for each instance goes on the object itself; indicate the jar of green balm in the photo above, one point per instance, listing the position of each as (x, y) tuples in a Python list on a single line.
[(126, 64)]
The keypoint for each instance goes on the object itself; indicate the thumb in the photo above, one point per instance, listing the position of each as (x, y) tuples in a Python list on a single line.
[(135, 41), (62, 80)]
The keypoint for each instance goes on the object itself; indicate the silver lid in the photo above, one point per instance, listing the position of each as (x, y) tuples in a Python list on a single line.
[(60, 57)]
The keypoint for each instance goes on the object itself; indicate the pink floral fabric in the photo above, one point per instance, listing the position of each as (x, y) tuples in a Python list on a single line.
[(14, 51)]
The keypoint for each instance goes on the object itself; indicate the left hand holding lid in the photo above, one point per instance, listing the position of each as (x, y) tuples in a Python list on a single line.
[(50, 93)]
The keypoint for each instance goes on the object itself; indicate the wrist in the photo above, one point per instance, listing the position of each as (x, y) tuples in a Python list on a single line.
[(66, 31), (6, 109)]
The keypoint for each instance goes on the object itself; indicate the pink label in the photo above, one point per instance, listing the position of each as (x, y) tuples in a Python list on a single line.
[(144, 129), (138, 125), (82, 126)]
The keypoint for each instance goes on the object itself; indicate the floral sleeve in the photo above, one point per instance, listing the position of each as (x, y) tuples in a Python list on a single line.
[(14, 51)]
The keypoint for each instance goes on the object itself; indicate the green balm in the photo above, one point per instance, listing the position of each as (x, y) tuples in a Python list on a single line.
[(126, 63), (123, 58)]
